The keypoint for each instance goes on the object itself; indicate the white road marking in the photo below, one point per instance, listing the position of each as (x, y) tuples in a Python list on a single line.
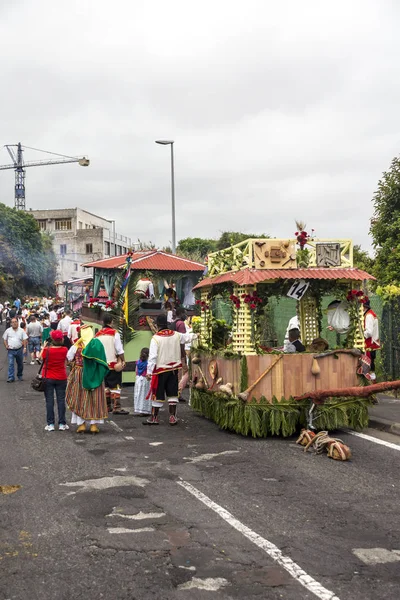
[(117, 427), (121, 469), (187, 568), (138, 516), (155, 443), (364, 436), (123, 530), (107, 482), (129, 437), (269, 548), (377, 556), (203, 457), (211, 584)]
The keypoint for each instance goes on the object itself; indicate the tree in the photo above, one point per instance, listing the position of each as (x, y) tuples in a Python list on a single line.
[(230, 238), (362, 260), (199, 247), (385, 226), (27, 260)]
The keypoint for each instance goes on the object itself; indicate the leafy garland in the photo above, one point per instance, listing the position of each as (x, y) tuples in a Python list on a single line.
[(284, 418)]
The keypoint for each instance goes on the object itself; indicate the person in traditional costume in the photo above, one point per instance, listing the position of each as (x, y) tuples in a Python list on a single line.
[(85, 394), (63, 325), (114, 350), (170, 294), (144, 288), (164, 362), (142, 404), (73, 329), (371, 334)]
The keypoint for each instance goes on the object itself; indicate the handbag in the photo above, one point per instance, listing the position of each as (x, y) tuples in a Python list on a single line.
[(38, 383)]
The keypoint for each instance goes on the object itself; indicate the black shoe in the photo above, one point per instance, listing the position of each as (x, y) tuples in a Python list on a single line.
[(181, 399), (10, 380)]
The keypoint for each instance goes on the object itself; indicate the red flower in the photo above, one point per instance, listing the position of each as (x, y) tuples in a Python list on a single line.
[(360, 293), (253, 306), (198, 301)]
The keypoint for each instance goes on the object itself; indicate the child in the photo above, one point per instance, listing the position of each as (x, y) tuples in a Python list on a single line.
[(142, 407), (46, 330)]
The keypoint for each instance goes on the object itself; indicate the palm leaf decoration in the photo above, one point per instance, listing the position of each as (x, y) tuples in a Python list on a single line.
[(263, 419), (126, 330)]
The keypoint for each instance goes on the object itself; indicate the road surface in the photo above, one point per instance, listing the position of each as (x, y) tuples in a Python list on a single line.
[(190, 512)]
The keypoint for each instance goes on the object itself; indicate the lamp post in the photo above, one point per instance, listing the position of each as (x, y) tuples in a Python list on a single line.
[(171, 143)]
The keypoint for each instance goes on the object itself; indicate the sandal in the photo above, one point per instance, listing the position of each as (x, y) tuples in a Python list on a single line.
[(120, 412)]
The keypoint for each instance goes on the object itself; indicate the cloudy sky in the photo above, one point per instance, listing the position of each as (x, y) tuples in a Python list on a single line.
[(279, 110)]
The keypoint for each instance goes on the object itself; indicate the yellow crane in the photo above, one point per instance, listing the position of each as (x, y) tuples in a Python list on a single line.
[(15, 151)]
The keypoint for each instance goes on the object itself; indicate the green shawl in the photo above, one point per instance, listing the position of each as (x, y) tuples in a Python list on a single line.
[(95, 366)]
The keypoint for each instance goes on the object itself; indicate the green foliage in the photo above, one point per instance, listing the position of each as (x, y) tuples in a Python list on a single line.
[(196, 248), (385, 226), (244, 374), (230, 238), (26, 255), (362, 260), (303, 256), (263, 419), (388, 292)]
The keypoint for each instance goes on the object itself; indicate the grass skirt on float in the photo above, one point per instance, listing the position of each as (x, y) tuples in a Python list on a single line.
[(141, 405), (85, 405)]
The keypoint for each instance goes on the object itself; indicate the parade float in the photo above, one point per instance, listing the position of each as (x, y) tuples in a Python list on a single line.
[(134, 288), (255, 390)]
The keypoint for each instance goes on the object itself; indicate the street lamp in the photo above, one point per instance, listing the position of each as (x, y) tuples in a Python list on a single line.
[(171, 143)]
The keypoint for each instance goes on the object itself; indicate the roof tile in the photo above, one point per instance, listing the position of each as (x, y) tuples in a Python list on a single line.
[(149, 260), (252, 276)]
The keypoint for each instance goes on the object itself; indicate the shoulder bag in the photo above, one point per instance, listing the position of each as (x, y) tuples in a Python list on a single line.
[(38, 383)]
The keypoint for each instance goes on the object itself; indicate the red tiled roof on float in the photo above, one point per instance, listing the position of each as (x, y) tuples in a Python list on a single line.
[(148, 260), (252, 276)]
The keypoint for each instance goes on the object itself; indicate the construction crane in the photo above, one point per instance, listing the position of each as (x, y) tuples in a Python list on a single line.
[(15, 151)]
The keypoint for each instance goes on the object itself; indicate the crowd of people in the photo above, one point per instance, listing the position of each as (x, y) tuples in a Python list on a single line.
[(82, 370)]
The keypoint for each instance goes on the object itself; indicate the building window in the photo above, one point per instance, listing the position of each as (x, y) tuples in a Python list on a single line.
[(42, 224), (107, 248), (63, 224), (80, 225), (63, 249), (87, 226), (75, 266), (89, 248)]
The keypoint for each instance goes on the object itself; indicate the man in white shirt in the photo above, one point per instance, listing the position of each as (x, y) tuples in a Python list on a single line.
[(15, 340), (63, 325), (34, 330), (53, 318), (165, 360)]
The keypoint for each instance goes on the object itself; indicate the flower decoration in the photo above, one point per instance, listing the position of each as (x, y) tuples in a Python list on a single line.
[(235, 300), (143, 322), (357, 296), (252, 300), (204, 306), (301, 235)]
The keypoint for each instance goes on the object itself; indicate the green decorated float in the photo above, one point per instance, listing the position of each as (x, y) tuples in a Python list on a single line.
[(255, 390), (134, 288)]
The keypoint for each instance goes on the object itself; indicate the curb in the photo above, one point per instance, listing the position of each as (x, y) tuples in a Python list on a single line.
[(384, 425)]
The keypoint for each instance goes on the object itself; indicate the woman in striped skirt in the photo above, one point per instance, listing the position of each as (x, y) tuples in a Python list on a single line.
[(86, 406)]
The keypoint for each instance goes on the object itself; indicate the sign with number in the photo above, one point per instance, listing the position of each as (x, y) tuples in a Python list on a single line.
[(298, 289)]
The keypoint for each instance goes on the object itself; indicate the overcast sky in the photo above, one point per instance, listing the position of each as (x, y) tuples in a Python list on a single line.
[(279, 110)]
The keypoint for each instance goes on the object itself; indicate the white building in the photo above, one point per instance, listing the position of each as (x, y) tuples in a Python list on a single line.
[(80, 237)]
